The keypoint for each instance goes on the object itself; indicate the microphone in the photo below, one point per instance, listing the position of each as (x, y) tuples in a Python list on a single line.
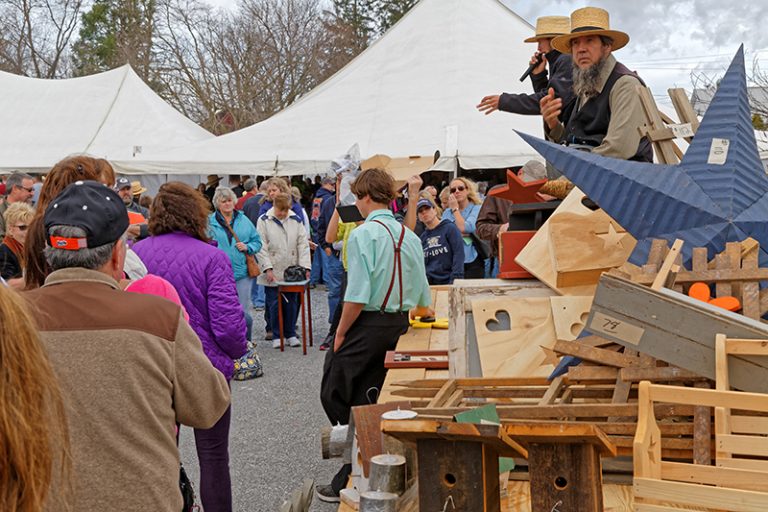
[(530, 69)]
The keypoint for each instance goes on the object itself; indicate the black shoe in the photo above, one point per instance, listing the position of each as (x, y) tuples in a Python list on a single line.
[(327, 494)]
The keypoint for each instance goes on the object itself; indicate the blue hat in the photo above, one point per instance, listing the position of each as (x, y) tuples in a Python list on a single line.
[(424, 202)]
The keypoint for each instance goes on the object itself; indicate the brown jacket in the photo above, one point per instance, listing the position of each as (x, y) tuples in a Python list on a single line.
[(130, 367), (493, 214)]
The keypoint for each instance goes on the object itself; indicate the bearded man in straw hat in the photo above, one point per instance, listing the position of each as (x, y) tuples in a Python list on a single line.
[(606, 113), (547, 28)]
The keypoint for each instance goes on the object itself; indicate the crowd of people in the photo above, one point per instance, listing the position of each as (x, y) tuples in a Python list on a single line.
[(143, 307)]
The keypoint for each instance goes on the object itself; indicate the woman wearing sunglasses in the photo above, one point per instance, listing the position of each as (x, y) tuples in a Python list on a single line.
[(463, 208), (17, 218)]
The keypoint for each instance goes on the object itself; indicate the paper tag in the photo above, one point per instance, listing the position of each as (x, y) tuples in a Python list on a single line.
[(682, 131), (718, 152), (604, 324)]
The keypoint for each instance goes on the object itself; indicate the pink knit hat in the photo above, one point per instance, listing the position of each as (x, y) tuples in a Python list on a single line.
[(156, 285)]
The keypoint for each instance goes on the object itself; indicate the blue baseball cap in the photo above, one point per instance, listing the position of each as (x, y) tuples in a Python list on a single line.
[(424, 202)]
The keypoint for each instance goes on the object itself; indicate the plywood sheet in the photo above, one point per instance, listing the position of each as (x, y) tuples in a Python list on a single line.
[(583, 246), (536, 257), (517, 351), (570, 315)]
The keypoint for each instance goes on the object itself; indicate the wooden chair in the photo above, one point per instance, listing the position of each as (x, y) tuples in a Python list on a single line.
[(741, 441), (661, 485)]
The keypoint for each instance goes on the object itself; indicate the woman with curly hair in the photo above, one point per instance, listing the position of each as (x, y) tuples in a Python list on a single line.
[(67, 171), (463, 208), (179, 251), (34, 437)]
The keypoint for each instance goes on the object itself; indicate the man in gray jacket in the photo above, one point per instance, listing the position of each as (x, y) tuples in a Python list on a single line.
[(129, 365)]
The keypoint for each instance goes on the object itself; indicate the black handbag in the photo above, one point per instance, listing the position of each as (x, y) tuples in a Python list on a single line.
[(187, 491), (295, 274)]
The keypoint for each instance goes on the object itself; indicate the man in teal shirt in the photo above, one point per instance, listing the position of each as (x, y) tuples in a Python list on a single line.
[(386, 279)]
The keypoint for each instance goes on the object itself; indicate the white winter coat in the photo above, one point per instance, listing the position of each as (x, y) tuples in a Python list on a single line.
[(284, 243)]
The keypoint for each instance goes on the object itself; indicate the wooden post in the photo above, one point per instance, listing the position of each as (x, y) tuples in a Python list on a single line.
[(387, 474), (374, 501)]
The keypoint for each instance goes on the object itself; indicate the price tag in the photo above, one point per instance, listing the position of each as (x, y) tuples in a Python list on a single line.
[(604, 324), (718, 152), (682, 131)]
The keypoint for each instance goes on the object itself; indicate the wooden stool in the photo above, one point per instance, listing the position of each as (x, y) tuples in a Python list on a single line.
[(300, 287), (458, 462), (564, 464)]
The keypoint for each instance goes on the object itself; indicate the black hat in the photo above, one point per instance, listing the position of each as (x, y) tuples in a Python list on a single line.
[(91, 206)]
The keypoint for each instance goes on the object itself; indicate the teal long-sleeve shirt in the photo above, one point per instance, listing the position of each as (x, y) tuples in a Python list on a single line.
[(245, 231), (371, 261)]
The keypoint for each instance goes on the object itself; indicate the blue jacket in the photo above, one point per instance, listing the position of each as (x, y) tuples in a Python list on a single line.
[(443, 253), (252, 207), (245, 231), (318, 220)]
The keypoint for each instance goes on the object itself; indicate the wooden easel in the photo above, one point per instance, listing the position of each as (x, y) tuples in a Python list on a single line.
[(661, 130)]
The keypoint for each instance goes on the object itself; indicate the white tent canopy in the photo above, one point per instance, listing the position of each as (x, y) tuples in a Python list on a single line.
[(112, 115), (411, 93)]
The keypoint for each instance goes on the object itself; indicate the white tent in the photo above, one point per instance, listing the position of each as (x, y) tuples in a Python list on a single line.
[(112, 115), (411, 93)]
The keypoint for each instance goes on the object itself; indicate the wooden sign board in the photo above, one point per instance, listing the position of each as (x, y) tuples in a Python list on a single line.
[(677, 329)]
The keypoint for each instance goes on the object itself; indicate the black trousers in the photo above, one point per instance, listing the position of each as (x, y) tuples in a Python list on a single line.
[(355, 374), (475, 269)]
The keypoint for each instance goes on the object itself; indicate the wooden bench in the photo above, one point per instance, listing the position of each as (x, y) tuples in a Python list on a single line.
[(662, 485)]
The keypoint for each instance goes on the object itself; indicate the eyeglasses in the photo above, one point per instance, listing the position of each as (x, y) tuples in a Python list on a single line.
[(31, 190), (22, 227), (457, 189)]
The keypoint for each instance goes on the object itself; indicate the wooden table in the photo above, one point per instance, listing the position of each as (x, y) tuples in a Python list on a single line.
[(300, 287)]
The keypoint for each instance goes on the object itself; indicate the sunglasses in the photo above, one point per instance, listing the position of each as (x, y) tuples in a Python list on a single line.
[(22, 227), (31, 190), (457, 189)]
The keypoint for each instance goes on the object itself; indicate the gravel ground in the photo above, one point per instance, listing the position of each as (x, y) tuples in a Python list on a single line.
[(276, 421)]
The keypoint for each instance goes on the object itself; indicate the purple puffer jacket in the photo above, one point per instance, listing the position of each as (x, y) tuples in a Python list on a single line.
[(202, 274)]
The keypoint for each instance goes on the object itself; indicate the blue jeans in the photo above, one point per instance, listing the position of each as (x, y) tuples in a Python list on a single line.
[(257, 295), (290, 305), (244, 297), (317, 273), (334, 274)]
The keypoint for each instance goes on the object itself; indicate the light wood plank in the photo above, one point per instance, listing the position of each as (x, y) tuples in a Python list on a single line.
[(734, 500), (743, 444), (721, 476)]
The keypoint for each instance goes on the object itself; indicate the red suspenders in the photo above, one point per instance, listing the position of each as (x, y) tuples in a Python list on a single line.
[(397, 268)]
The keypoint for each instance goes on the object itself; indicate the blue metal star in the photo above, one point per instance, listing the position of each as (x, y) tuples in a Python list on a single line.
[(717, 194)]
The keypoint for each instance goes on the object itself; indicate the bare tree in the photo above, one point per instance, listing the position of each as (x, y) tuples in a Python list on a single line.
[(246, 65), (35, 36)]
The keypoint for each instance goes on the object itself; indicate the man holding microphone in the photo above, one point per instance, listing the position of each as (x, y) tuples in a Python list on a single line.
[(559, 78)]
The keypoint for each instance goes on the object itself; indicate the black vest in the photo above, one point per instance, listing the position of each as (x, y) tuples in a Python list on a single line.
[(589, 124)]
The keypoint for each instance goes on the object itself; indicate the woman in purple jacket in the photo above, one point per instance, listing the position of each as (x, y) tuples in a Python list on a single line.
[(179, 252)]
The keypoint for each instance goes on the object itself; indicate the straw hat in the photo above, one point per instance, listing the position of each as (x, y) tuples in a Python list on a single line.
[(589, 21), (136, 188), (213, 179), (548, 27)]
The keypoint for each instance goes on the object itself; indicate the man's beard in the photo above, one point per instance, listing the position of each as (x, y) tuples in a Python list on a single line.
[(586, 81)]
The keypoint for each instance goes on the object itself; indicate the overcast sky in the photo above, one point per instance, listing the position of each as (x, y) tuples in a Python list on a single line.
[(670, 38)]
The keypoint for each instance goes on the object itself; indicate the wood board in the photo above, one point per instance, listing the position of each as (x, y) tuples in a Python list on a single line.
[(583, 246), (677, 329), (515, 352), (536, 257)]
